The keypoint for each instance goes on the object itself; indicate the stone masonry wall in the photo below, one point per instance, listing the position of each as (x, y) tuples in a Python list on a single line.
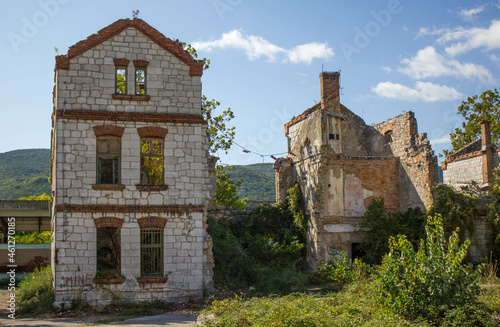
[(462, 172), (84, 99), (90, 80)]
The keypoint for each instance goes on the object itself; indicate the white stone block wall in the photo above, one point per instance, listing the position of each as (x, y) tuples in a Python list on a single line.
[(90, 81), (460, 173), (184, 240)]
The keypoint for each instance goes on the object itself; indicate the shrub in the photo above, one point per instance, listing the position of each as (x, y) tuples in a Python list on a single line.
[(340, 270), (33, 237), (431, 281), (35, 293), (381, 225)]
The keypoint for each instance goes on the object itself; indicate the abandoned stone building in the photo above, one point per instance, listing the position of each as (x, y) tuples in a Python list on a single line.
[(129, 169), (472, 163), (341, 164)]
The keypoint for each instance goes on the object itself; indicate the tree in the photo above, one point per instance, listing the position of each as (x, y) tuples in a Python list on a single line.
[(40, 197), (475, 110), (221, 136), (227, 188)]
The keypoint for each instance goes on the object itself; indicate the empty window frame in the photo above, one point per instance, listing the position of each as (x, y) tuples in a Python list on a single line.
[(108, 252), (108, 159), (151, 252), (121, 80), (140, 81), (151, 161)]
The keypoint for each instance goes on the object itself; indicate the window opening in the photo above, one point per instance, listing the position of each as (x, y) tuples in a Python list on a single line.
[(108, 252), (152, 252), (121, 80), (151, 162), (140, 81), (108, 160)]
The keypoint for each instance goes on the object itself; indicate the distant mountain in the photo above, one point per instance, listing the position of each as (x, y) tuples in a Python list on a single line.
[(24, 173), (258, 181)]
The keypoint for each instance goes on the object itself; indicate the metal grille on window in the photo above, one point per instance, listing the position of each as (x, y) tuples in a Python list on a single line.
[(152, 252), (151, 162), (108, 160)]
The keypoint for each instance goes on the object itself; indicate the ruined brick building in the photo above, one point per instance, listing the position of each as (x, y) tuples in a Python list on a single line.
[(341, 164), (473, 162), (129, 169)]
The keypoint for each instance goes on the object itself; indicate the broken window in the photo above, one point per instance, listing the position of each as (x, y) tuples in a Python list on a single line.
[(108, 252), (121, 80), (152, 252), (151, 162), (140, 81), (388, 137), (108, 160)]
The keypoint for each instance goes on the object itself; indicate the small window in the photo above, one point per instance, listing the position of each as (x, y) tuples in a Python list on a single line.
[(108, 252), (388, 137), (140, 81), (151, 162), (108, 160), (152, 252), (121, 80)]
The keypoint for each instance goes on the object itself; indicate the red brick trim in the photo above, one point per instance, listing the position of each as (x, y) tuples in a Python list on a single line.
[(151, 280), (130, 97), (108, 187), (121, 62), (470, 155), (196, 66), (130, 116), (152, 222), (141, 64), (151, 188), (102, 130), (152, 131), (109, 281), (96, 208), (108, 222)]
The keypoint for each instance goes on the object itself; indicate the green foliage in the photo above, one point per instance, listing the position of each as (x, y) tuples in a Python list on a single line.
[(431, 281), (263, 250), (41, 197), (382, 225), (257, 181), (35, 293), (294, 198), (340, 270), (475, 110), (355, 306), (457, 209), (33, 237), (24, 173), (221, 136), (227, 189)]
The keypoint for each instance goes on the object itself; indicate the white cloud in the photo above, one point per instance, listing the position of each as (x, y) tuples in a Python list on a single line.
[(423, 92), (424, 31), (309, 51), (386, 69), (429, 63), (441, 140), (468, 14), (256, 47), (465, 40)]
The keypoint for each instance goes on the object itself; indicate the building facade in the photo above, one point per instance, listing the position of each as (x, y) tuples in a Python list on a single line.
[(342, 164), (130, 177)]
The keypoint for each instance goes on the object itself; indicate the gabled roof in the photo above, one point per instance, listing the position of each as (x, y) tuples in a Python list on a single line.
[(308, 112), (468, 149), (196, 66)]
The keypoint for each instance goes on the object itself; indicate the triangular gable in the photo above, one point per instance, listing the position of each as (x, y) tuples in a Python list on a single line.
[(196, 66)]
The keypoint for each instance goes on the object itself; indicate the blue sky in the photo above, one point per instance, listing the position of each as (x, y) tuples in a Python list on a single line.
[(266, 56)]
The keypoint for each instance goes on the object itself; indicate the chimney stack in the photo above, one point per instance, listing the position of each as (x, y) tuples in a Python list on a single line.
[(487, 149), (330, 90)]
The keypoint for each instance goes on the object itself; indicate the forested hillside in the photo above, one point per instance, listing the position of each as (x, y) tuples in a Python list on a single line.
[(258, 181), (24, 173)]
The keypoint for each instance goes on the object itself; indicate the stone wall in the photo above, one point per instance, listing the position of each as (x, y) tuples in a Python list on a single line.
[(86, 107), (462, 172)]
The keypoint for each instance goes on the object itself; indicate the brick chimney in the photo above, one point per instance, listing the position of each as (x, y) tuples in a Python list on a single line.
[(487, 149), (330, 90)]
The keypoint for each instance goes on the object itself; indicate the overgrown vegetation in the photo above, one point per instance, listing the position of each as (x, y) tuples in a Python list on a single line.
[(264, 250), (227, 189), (35, 293), (33, 237), (382, 225)]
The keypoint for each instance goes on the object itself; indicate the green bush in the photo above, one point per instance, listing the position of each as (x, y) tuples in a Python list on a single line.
[(381, 225), (33, 237), (339, 270), (431, 281), (35, 294)]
